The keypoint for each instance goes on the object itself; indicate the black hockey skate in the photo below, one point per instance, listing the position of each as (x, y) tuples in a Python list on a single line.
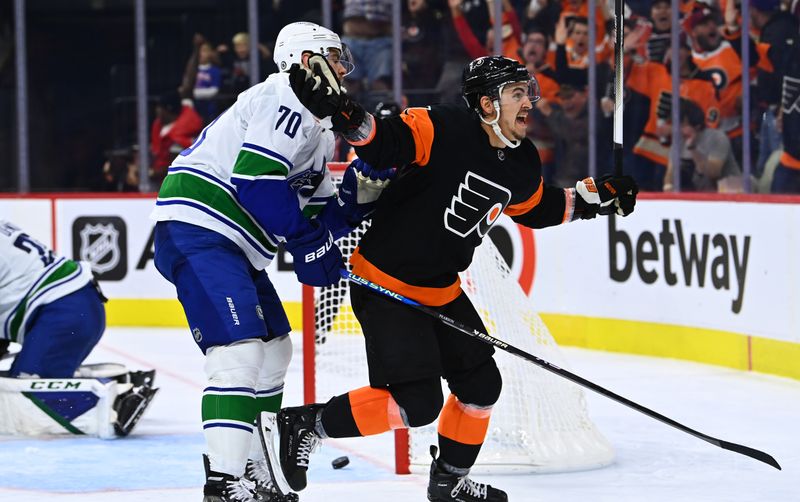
[(297, 441), (221, 487), (258, 472), (446, 487)]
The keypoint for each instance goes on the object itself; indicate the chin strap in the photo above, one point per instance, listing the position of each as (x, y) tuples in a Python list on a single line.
[(495, 127)]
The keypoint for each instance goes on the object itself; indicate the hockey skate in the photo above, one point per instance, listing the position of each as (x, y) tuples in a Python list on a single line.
[(446, 487), (258, 472), (221, 487), (295, 428)]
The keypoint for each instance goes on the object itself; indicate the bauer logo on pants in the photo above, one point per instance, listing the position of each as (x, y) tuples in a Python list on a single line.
[(101, 241)]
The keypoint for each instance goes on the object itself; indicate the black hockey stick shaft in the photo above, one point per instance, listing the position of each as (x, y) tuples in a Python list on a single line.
[(572, 377), (618, 84)]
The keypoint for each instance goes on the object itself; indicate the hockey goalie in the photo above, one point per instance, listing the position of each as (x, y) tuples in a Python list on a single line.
[(52, 316)]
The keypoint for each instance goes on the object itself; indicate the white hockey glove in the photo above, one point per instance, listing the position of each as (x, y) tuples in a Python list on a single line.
[(361, 186)]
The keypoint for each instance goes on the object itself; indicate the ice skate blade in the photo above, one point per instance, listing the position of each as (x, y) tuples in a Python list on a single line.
[(267, 430)]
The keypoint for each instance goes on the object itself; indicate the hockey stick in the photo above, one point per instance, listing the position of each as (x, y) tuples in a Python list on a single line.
[(618, 81), (486, 338)]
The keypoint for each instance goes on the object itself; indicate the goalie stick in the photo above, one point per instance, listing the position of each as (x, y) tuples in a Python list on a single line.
[(572, 377)]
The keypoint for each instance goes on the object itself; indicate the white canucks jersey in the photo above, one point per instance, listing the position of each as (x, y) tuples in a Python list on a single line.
[(31, 275), (255, 174)]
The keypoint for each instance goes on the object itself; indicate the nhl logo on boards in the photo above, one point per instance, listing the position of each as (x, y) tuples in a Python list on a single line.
[(101, 241), (198, 336)]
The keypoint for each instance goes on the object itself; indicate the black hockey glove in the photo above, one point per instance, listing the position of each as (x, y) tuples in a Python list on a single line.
[(318, 89), (317, 259), (608, 194)]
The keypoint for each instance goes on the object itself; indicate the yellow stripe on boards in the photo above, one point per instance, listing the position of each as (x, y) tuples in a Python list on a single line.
[(168, 313), (776, 357), (651, 339), (708, 346)]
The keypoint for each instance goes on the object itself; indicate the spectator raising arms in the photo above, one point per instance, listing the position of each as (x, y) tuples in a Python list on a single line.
[(175, 127), (654, 81), (512, 33)]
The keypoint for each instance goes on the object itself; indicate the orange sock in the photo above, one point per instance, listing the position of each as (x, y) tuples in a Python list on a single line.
[(463, 423), (375, 411)]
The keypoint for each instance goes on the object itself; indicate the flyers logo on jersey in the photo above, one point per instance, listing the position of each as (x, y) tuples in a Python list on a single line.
[(790, 101), (476, 206)]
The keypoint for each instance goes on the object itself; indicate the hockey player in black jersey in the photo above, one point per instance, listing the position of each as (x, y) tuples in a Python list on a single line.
[(464, 165)]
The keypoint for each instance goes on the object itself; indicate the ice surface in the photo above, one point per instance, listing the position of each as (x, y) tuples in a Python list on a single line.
[(161, 461)]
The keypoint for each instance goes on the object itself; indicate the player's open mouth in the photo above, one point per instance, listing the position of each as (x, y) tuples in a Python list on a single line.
[(522, 119)]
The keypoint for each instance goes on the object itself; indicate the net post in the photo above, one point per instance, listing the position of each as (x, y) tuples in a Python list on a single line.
[(402, 460), (309, 346)]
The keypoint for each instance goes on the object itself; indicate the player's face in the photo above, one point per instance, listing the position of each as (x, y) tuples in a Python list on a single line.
[(341, 62), (515, 104)]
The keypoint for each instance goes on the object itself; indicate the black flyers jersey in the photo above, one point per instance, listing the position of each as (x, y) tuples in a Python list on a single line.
[(453, 187)]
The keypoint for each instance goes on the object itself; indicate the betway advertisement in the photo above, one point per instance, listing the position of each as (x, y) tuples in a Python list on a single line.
[(716, 264), (729, 266)]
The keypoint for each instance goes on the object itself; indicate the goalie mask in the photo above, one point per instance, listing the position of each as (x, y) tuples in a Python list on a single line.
[(487, 76), (296, 38)]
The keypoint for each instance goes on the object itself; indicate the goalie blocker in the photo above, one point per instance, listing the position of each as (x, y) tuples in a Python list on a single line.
[(104, 400)]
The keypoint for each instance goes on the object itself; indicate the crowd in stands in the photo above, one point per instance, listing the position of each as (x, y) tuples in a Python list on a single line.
[(551, 37)]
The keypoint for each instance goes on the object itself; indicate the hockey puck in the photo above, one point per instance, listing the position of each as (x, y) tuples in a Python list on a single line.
[(340, 462)]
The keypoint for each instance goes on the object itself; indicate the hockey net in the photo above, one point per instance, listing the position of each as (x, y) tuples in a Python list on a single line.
[(539, 424)]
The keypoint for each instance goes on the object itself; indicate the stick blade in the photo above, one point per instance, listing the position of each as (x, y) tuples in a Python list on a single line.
[(751, 452)]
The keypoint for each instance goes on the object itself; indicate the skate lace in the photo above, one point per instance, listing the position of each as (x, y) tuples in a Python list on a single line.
[(258, 471), (240, 490), (470, 488), (308, 443)]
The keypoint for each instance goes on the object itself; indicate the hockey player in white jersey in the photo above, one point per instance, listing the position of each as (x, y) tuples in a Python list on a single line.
[(52, 307), (48, 304), (256, 176)]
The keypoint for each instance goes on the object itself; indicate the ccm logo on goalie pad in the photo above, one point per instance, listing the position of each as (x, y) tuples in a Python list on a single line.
[(476, 206), (320, 252)]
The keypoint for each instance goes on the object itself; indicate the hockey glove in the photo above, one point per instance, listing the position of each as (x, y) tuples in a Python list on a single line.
[(317, 259), (318, 89), (613, 194), (360, 188)]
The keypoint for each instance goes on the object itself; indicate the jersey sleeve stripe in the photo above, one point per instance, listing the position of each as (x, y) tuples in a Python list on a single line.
[(249, 163), (524, 207), (312, 210), (56, 275), (181, 187), (268, 153), (419, 122)]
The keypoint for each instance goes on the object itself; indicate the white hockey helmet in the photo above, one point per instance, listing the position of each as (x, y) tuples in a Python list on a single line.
[(296, 38)]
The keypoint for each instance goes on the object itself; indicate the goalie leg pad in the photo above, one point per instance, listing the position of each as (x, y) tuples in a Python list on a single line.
[(45, 406)]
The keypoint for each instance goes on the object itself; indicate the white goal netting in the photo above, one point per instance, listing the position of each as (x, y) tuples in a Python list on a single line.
[(540, 423)]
